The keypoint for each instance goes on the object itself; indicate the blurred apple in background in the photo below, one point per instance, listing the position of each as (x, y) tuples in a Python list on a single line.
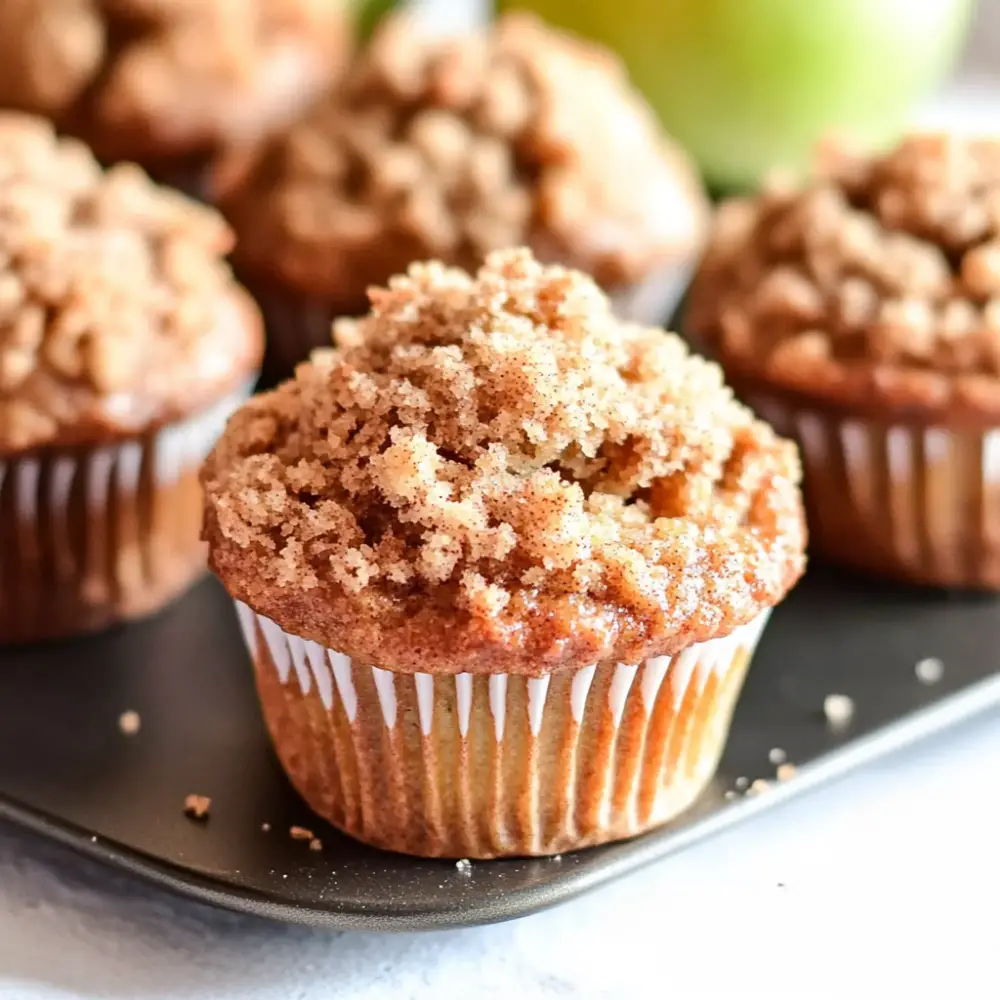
[(748, 85)]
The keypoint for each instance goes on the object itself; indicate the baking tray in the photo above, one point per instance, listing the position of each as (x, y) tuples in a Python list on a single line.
[(68, 772)]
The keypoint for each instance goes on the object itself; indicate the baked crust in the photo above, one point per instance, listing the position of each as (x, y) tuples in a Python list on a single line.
[(496, 474), (875, 287), (118, 312), (448, 149)]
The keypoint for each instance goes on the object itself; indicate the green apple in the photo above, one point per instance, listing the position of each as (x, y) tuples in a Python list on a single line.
[(748, 85)]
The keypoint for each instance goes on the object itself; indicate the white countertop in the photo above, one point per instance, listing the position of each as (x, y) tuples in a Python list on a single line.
[(882, 884)]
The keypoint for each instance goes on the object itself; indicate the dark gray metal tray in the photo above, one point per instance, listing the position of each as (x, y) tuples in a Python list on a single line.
[(69, 773)]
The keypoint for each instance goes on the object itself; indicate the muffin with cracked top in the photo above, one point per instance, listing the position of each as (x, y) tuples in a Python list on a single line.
[(169, 83), (501, 560), (860, 313), (124, 344), (449, 148)]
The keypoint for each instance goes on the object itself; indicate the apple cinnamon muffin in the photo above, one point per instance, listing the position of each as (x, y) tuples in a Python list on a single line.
[(449, 148), (169, 83), (124, 345), (501, 560), (860, 312)]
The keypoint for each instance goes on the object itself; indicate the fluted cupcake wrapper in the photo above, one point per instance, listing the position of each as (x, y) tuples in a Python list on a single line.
[(495, 764), (908, 500), (91, 536), (297, 324)]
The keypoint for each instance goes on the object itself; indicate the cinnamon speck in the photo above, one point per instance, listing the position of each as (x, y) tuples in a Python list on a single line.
[(129, 723), (929, 670), (197, 806), (839, 710), (786, 771), (777, 756)]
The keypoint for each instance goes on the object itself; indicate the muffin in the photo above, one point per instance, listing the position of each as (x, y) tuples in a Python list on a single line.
[(168, 83), (124, 345), (501, 560), (450, 148), (860, 313)]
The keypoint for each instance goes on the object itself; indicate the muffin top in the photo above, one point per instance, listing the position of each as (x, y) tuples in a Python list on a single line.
[(116, 309), (145, 79), (494, 473), (877, 283), (449, 148)]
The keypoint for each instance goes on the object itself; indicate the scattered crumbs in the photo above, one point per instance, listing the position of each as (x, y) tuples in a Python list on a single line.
[(786, 771), (759, 786), (301, 833), (838, 709), (777, 756), (284, 876), (464, 865), (93, 840), (315, 844), (730, 793), (265, 827), (929, 671), (557, 857), (742, 783), (197, 806), (130, 723)]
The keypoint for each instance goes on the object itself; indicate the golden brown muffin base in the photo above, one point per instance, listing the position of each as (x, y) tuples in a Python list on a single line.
[(895, 495), (92, 536), (431, 765)]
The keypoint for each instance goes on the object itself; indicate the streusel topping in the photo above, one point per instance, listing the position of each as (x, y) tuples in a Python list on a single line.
[(447, 149), (886, 267), (500, 452), (181, 76), (116, 306)]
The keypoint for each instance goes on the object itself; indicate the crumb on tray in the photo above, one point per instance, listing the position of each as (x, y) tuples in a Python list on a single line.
[(129, 723), (929, 670), (839, 710), (197, 806)]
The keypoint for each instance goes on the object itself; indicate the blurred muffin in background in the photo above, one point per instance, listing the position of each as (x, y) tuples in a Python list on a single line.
[(861, 313), (501, 560), (124, 345), (448, 149), (169, 83)]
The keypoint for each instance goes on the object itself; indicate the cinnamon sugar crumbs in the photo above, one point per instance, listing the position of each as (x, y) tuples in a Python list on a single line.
[(197, 806), (300, 833), (502, 440), (890, 262), (448, 148), (114, 296)]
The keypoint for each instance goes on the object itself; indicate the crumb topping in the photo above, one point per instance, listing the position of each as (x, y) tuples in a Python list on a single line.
[(115, 302), (884, 270), (197, 806), (501, 452), (447, 149), (188, 74)]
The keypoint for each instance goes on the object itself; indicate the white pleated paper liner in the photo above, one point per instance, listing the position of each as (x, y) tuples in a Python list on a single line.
[(95, 535), (912, 501), (494, 764)]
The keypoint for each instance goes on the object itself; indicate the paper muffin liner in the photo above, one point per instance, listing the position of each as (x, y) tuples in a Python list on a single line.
[(913, 501), (91, 536), (297, 324), (488, 765)]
